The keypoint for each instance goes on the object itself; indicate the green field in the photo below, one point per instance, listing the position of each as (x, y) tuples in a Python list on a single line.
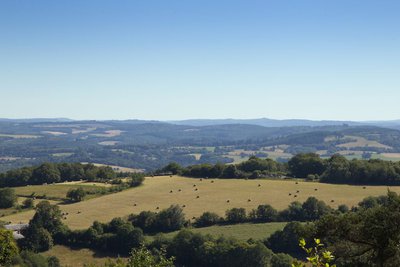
[(54, 191), (70, 257), (156, 192), (243, 232)]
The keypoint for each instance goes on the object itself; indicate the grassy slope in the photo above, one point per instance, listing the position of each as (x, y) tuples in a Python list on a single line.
[(256, 231), (77, 257), (212, 197)]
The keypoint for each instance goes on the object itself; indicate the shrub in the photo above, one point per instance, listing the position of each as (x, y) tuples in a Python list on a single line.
[(7, 198), (236, 215), (207, 219)]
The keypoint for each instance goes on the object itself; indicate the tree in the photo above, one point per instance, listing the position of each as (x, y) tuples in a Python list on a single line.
[(46, 173), (368, 237), (337, 170), (236, 215), (173, 168), (37, 239), (8, 248), (314, 209), (170, 219), (53, 261), (317, 255), (142, 257), (7, 198), (285, 240), (266, 213), (302, 165), (230, 171), (207, 219), (47, 216), (76, 195), (28, 203)]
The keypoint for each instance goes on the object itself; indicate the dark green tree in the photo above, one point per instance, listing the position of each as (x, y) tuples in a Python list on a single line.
[(7, 198), (76, 195), (302, 165), (8, 247), (46, 173)]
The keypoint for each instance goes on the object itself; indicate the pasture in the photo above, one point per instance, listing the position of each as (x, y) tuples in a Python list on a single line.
[(199, 195), (362, 142), (54, 191), (70, 257), (242, 232)]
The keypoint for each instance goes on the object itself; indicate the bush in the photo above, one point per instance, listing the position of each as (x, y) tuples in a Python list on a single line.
[(136, 180), (7, 198), (76, 195), (236, 215), (207, 219), (166, 220), (264, 213), (28, 203)]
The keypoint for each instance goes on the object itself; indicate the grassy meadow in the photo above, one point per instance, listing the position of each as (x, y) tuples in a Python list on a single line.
[(243, 232), (211, 195), (70, 257), (55, 191)]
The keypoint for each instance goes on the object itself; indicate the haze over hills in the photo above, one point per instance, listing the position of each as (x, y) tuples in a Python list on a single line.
[(148, 145), (265, 122)]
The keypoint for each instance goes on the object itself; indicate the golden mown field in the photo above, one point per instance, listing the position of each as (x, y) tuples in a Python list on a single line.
[(211, 195)]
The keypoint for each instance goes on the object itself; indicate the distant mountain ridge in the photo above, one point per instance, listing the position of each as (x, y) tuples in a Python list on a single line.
[(35, 120), (265, 122)]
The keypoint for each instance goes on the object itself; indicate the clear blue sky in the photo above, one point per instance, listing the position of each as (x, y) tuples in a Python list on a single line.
[(170, 59)]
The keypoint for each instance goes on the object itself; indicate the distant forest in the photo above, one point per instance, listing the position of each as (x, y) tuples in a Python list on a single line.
[(149, 146)]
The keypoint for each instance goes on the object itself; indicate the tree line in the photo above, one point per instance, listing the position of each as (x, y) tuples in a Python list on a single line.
[(47, 173), (336, 169)]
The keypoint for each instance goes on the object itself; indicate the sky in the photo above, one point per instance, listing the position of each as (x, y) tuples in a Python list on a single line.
[(172, 60)]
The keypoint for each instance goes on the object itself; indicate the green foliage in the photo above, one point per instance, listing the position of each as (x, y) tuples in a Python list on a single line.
[(76, 195), (8, 248), (302, 165), (31, 259), (172, 168), (236, 215), (136, 179), (367, 237), (166, 220), (47, 216), (207, 219), (142, 257), (28, 203), (46, 173), (45, 223), (7, 198), (56, 172), (37, 239), (264, 213), (317, 255), (53, 261), (285, 240)]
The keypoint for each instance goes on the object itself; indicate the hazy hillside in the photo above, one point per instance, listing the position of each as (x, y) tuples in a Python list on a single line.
[(151, 144)]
